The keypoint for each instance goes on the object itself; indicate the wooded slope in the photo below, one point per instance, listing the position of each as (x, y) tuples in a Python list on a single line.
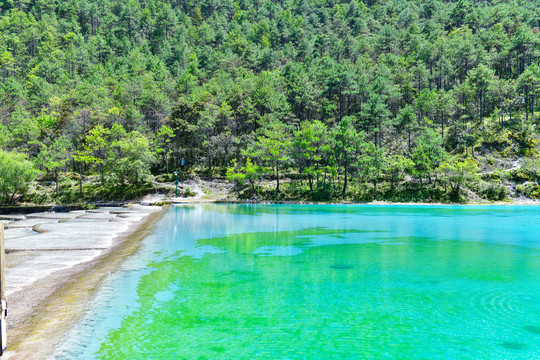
[(327, 91)]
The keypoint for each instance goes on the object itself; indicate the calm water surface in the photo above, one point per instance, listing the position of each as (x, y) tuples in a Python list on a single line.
[(323, 282)]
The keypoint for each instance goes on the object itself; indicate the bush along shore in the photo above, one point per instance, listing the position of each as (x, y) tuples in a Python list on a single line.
[(404, 101), (453, 182)]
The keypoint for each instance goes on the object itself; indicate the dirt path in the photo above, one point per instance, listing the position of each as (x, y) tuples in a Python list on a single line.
[(192, 190)]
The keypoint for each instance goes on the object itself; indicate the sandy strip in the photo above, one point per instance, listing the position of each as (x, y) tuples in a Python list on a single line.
[(39, 314)]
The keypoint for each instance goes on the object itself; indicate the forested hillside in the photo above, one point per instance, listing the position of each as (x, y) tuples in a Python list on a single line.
[(403, 100)]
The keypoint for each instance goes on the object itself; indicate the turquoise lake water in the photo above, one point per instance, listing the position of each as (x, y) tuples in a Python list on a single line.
[(323, 282)]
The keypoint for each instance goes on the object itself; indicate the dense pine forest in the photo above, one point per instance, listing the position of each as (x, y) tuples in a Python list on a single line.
[(409, 100)]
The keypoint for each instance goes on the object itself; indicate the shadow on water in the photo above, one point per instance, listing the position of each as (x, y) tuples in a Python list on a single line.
[(341, 267), (533, 329), (513, 345)]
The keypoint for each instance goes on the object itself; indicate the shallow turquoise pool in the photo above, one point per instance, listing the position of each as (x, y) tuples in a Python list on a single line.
[(323, 282)]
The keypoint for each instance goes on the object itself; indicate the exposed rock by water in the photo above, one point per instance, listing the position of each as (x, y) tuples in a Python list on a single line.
[(46, 242), (44, 249)]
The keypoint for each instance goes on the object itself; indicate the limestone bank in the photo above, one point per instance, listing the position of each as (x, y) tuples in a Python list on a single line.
[(54, 263)]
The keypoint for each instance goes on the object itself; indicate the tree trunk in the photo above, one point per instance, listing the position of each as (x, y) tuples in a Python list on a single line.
[(442, 128), (277, 177), (209, 163), (80, 182), (345, 180), (526, 106), (101, 175), (56, 180)]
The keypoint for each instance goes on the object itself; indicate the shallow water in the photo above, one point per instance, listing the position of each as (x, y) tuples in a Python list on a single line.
[(323, 282)]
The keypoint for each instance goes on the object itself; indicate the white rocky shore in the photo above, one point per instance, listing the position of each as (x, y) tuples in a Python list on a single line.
[(46, 250), (40, 244)]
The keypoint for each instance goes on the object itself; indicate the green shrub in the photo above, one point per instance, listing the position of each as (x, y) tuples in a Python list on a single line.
[(16, 174), (530, 168), (188, 192), (493, 192), (530, 190), (164, 178), (498, 175)]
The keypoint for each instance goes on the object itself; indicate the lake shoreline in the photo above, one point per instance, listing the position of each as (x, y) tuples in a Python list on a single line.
[(42, 312), (51, 307)]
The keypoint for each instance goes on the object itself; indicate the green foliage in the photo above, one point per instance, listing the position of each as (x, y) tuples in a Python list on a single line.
[(530, 190), (531, 169), (427, 154), (415, 193), (130, 159), (271, 147), (119, 156), (456, 174), (299, 87), (188, 192), (16, 173), (407, 120), (311, 149), (349, 144), (163, 146), (95, 147), (525, 142), (54, 157), (372, 164), (493, 192), (4, 135), (238, 174), (397, 168)]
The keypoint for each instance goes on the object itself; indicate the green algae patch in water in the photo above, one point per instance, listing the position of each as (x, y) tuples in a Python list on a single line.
[(295, 283), (265, 242)]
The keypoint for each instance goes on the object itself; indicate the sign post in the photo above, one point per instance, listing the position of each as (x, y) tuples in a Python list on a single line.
[(3, 305)]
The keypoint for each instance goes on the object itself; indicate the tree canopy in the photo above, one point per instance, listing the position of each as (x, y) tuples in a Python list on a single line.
[(104, 87)]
